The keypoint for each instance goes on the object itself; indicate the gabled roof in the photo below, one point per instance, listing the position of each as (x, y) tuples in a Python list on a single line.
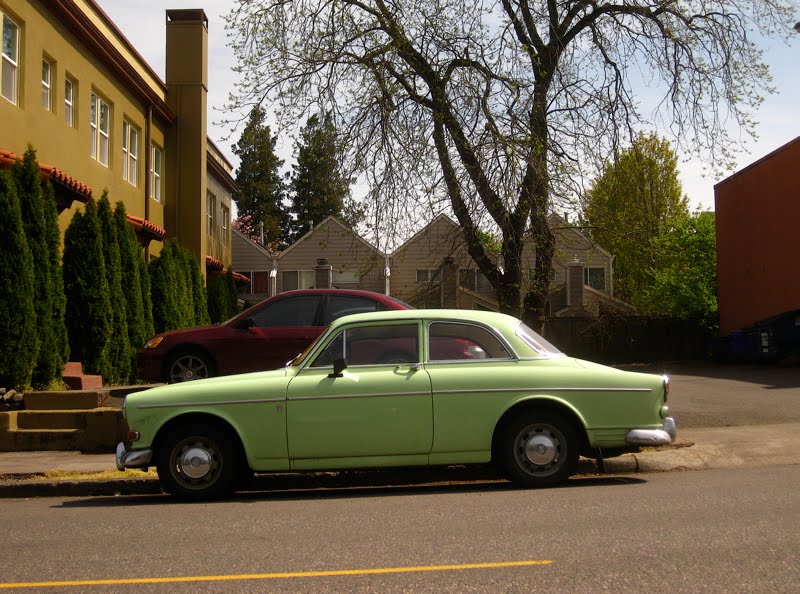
[(254, 244), (561, 222), (418, 234), (326, 220)]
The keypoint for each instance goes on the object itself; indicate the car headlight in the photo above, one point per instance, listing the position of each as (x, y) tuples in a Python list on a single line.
[(153, 342)]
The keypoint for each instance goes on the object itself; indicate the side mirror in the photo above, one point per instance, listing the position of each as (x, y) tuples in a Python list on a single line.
[(339, 365), (246, 323)]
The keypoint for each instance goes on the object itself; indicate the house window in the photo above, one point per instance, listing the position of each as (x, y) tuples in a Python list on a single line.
[(47, 88), (156, 167), (297, 279), (345, 277), (595, 278), (100, 123), (130, 153), (10, 69), (69, 98), (224, 223), (428, 275), (211, 207), (475, 280)]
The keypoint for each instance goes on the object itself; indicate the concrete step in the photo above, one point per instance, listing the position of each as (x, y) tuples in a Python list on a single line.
[(73, 368), (83, 382), (51, 419), (27, 440), (69, 400)]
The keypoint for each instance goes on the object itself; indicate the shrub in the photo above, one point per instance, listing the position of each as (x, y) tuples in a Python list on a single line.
[(59, 301), (19, 345)]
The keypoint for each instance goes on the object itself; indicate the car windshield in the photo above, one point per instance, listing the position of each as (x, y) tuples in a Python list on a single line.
[(300, 359), (537, 342)]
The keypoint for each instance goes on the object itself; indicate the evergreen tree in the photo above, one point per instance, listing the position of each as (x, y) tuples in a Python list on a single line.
[(222, 297), (199, 298), (629, 207), (59, 300), (261, 188), (119, 352), (147, 300), (318, 187), (164, 293), (88, 310), (29, 191), (131, 261), (19, 345)]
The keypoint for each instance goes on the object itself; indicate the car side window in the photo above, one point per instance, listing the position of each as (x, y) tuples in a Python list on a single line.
[(373, 345), (344, 305), (453, 342), (299, 311)]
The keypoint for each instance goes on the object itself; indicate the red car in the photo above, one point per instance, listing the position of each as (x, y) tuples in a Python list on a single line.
[(266, 336)]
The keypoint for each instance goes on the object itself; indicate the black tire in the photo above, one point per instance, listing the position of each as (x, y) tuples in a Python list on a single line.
[(198, 462), (538, 449), (186, 366)]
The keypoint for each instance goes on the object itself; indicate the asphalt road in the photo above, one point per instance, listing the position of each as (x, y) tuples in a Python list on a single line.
[(718, 530)]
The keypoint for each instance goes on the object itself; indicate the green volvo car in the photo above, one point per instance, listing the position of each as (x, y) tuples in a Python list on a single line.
[(398, 389)]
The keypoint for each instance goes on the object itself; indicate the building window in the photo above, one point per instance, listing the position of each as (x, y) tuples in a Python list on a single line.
[(47, 88), (130, 153), (69, 101), (345, 277), (10, 70), (475, 280), (100, 122), (156, 167), (425, 275), (298, 279), (224, 223), (595, 278), (211, 206)]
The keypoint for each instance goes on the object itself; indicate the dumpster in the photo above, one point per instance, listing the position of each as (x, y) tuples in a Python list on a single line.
[(775, 338)]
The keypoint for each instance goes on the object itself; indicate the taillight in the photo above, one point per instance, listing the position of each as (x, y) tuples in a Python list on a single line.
[(666, 386)]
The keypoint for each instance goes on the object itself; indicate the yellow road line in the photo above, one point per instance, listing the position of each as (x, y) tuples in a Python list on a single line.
[(273, 576)]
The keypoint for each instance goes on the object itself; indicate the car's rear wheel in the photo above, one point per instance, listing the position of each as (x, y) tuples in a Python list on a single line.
[(198, 461), (187, 366), (539, 449)]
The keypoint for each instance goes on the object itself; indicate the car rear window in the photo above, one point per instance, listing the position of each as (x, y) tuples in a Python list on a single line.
[(537, 342)]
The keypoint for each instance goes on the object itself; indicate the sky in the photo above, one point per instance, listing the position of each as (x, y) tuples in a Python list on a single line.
[(143, 23)]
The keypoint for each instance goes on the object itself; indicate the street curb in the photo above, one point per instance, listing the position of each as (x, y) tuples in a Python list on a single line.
[(25, 489)]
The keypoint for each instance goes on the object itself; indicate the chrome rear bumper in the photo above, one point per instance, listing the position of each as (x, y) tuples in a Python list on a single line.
[(653, 437), (132, 459)]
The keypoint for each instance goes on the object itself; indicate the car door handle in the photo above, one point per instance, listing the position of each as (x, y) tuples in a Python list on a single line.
[(416, 366)]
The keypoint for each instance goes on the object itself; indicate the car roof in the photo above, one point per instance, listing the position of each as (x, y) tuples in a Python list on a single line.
[(490, 318)]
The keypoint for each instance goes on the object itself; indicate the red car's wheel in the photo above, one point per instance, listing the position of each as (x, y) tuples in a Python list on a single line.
[(188, 366)]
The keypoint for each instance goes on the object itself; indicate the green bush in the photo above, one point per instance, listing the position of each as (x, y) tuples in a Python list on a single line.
[(59, 301), (88, 311), (164, 291), (119, 352), (222, 297), (19, 345), (29, 191), (131, 259)]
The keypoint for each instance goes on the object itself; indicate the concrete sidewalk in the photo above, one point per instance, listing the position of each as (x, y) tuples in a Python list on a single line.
[(35, 474)]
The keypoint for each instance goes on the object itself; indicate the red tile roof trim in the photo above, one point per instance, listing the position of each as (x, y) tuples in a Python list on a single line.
[(214, 265), (79, 191), (146, 229)]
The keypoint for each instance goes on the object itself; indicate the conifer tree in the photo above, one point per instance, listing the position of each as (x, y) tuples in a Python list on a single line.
[(29, 191), (199, 298), (131, 260), (88, 311), (59, 300), (119, 352), (147, 299), (164, 293), (19, 345)]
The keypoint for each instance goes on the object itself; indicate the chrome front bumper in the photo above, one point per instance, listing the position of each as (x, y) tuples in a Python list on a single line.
[(132, 459), (653, 437)]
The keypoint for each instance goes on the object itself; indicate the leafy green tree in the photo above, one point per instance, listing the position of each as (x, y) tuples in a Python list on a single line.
[(131, 259), (685, 283), (164, 290), (318, 186), (119, 348), (496, 109), (629, 208), (88, 311), (29, 190), (59, 300), (19, 345), (261, 188)]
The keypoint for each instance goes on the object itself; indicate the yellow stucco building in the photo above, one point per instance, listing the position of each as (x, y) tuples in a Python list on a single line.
[(100, 118)]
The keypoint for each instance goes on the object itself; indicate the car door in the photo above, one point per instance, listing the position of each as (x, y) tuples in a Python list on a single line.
[(281, 330), (378, 409)]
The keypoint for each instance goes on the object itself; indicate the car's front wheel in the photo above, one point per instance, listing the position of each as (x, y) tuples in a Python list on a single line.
[(198, 461), (539, 449), (187, 366)]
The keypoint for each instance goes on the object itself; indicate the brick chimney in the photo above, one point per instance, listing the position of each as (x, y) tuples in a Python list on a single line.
[(449, 286), (575, 286), (323, 274)]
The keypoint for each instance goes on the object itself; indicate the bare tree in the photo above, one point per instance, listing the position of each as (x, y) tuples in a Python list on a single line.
[(496, 108)]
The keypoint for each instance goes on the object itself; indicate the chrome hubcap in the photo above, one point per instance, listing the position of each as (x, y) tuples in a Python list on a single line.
[(540, 449), (188, 368), (195, 462)]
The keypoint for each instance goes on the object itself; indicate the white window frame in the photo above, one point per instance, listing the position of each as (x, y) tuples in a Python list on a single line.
[(429, 275), (100, 135), (211, 206), (130, 153), (10, 63), (305, 279), (224, 223), (69, 101), (47, 84), (586, 270), (156, 172)]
